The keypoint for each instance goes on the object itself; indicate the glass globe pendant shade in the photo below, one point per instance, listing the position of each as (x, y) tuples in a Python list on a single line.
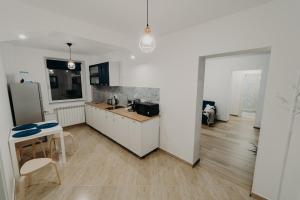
[(147, 43), (71, 64)]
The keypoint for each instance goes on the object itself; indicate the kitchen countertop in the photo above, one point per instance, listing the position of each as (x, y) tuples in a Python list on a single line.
[(122, 111)]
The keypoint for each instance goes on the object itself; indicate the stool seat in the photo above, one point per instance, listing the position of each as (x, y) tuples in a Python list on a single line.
[(34, 165), (31, 166)]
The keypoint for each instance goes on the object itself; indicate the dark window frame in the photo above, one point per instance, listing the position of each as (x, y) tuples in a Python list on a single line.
[(82, 81)]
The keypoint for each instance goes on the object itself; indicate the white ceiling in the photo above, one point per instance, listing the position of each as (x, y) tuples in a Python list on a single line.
[(128, 16), (57, 42)]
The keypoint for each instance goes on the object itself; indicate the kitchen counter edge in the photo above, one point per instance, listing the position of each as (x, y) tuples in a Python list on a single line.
[(122, 112)]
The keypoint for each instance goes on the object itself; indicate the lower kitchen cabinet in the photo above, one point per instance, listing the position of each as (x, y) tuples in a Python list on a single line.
[(121, 130), (135, 136), (139, 137)]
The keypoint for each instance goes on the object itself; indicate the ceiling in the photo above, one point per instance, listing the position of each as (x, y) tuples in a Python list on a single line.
[(128, 16), (57, 42)]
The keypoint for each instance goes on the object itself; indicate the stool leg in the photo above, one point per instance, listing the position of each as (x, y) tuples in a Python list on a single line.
[(54, 141), (74, 144), (22, 188), (29, 180), (42, 148), (18, 151), (33, 150), (57, 173), (52, 147)]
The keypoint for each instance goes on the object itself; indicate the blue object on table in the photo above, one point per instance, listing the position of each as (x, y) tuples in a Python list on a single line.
[(24, 127), (26, 133), (47, 125)]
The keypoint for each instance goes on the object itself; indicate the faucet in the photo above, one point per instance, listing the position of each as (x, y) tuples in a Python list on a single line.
[(115, 101)]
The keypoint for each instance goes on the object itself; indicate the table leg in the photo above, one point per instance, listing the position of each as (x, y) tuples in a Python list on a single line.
[(14, 159), (62, 144)]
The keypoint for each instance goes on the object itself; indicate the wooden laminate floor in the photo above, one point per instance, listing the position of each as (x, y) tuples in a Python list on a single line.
[(225, 148), (101, 169)]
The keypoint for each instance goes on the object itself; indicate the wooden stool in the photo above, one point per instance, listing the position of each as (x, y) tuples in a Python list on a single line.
[(21, 145), (31, 166), (55, 139)]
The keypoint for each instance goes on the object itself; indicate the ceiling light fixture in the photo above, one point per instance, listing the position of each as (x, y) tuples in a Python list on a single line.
[(22, 37), (147, 42), (71, 64), (132, 57)]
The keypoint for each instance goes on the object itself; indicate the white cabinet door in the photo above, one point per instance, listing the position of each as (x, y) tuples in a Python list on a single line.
[(101, 119), (98, 120), (110, 125), (121, 130), (105, 123), (114, 73), (94, 117), (135, 137)]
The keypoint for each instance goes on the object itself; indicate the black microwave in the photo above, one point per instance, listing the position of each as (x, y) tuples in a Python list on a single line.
[(147, 109), (99, 74)]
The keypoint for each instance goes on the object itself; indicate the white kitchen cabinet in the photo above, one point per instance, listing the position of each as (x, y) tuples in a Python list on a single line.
[(139, 137), (149, 136), (102, 118), (135, 137), (94, 116), (109, 120), (99, 119), (105, 121), (114, 73), (121, 130)]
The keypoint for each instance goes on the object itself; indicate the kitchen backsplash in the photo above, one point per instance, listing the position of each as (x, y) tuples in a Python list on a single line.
[(101, 94)]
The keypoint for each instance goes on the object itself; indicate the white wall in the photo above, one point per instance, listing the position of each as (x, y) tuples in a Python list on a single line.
[(5, 127), (218, 79), (174, 69), (245, 30), (236, 90), (32, 60)]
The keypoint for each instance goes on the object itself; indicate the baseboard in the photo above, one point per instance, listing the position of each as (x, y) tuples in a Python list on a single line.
[(176, 157), (195, 164), (257, 197)]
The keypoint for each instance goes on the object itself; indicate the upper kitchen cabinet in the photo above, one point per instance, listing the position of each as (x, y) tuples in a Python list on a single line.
[(105, 74)]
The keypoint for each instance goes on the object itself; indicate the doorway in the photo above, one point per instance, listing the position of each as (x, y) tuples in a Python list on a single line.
[(235, 84), (245, 89)]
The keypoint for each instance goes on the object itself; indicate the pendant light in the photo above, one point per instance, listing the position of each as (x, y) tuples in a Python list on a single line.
[(71, 64), (147, 42)]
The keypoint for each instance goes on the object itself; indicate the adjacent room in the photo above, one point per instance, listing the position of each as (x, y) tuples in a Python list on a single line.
[(147, 99), (233, 97)]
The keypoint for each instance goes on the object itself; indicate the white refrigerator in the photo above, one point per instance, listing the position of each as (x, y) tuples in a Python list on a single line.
[(26, 103)]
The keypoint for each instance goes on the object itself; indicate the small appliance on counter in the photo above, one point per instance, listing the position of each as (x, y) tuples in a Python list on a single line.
[(113, 101), (132, 104), (147, 108)]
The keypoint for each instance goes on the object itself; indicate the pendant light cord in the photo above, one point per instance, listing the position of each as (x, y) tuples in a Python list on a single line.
[(147, 14), (70, 52)]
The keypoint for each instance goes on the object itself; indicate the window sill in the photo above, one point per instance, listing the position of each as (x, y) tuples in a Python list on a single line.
[(67, 101)]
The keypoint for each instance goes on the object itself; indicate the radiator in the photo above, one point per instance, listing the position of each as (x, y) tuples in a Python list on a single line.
[(70, 115)]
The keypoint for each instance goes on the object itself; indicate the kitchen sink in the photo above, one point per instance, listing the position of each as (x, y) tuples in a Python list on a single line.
[(114, 107)]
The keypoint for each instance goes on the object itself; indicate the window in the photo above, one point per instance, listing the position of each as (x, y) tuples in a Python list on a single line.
[(65, 84)]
